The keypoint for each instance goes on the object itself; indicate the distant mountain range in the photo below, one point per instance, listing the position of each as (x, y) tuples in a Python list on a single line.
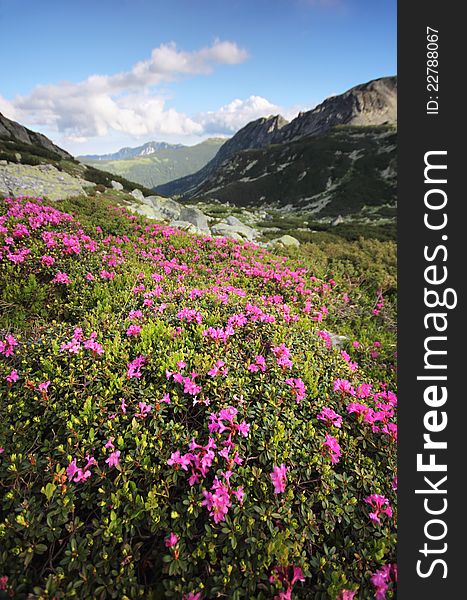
[(156, 163), (333, 159), (127, 152)]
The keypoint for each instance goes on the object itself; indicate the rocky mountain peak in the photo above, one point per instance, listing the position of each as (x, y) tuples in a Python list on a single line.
[(14, 132), (371, 103), (255, 134)]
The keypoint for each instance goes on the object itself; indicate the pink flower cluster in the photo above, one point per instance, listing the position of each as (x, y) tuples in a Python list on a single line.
[(190, 315), (78, 341), (218, 499), (189, 385), (324, 335), (12, 377), (380, 506), (200, 459), (382, 578), (379, 304), (258, 365), (282, 354), (330, 417), (298, 388), (61, 277), (79, 474), (218, 368), (332, 447), (286, 577), (353, 366), (18, 256), (133, 330), (134, 367), (219, 334), (279, 478), (7, 345)]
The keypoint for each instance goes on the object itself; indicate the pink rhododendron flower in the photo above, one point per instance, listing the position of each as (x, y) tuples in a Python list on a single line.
[(178, 460), (217, 501), (92, 345), (107, 274), (4, 583), (133, 330), (287, 577), (172, 540), (61, 278), (18, 256), (134, 367), (219, 368), (6, 347), (333, 448), (279, 478), (78, 474), (298, 388), (282, 354), (47, 260), (330, 417), (135, 314), (144, 410), (190, 315), (258, 365), (114, 459), (12, 377), (381, 579), (43, 387), (380, 506), (344, 386)]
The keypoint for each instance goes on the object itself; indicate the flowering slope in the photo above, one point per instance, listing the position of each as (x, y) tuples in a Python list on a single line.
[(176, 421)]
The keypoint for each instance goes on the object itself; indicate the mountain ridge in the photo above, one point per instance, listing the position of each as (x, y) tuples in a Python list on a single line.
[(372, 103), (145, 149), (11, 130)]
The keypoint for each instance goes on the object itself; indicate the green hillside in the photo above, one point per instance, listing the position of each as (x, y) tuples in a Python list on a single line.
[(337, 173), (178, 420), (162, 165)]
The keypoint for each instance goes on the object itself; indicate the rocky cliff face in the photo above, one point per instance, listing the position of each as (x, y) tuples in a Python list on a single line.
[(369, 104), (255, 134), (372, 103), (12, 131)]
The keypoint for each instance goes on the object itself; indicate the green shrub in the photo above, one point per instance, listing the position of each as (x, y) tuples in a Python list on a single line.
[(143, 402)]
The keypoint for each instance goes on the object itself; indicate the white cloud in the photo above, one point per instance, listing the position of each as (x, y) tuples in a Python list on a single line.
[(124, 102), (7, 108), (231, 117), (234, 115), (131, 106)]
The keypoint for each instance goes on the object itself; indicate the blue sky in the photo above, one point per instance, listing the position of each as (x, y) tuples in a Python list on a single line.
[(182, 70)]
